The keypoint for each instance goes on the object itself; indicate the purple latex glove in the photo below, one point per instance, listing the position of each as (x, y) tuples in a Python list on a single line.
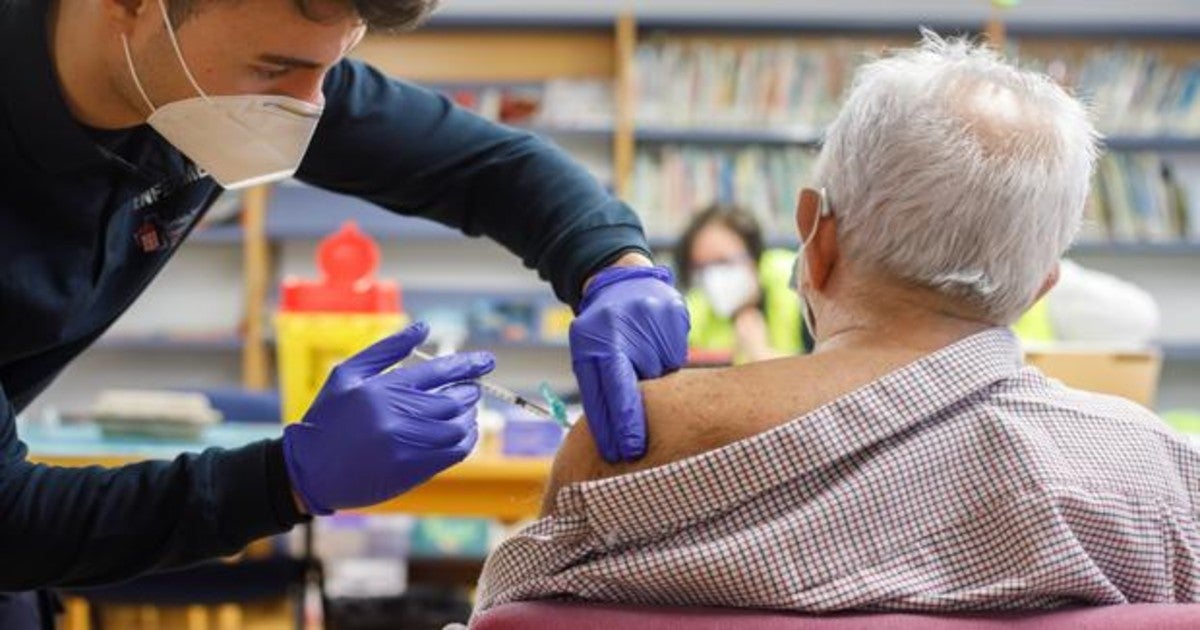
[(371, 435), (632, 325)]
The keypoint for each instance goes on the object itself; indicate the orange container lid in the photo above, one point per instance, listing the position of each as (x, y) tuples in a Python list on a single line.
[(347, 261)]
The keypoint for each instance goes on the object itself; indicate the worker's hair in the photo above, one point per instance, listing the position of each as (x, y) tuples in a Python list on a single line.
[(382, 15), (741, 221), (951, 169)]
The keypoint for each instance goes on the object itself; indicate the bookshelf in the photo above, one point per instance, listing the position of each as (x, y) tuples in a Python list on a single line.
[(216, 342), (1176, 42), (481, 52), (531, 51)]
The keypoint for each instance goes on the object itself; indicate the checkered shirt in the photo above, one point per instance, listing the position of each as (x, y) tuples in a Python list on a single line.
[(963, 481)]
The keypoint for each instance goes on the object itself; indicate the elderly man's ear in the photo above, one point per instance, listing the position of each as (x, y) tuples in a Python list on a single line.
[(821, 253)]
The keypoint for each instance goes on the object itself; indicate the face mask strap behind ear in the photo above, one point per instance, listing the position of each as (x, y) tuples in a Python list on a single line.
[(823, 211), (133, 72), (178, 51)]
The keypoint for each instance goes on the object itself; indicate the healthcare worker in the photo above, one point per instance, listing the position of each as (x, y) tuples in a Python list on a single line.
[(120, 123), (737, 290)]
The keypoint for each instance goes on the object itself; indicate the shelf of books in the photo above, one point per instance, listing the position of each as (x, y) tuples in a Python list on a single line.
[(726, 115), (675, 114)]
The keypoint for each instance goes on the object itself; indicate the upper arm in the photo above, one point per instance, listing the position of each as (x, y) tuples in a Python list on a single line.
[(687, 413), (398, 145), (80, 526), (411, 150)]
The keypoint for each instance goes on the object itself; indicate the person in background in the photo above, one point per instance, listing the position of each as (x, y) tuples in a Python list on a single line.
[(737, 291), (741, 299)]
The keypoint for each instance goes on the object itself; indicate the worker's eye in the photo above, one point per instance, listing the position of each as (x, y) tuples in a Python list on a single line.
[(271, 72)]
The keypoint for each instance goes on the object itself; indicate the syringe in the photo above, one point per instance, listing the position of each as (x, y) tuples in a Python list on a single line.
[(502, 393)]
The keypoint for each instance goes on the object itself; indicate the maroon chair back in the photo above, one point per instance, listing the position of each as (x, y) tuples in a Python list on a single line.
[(576, 616)]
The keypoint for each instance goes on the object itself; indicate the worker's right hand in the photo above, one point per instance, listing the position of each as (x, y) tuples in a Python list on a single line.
[(373, 434)]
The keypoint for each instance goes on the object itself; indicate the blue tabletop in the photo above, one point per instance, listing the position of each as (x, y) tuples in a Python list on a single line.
[(87, 440)]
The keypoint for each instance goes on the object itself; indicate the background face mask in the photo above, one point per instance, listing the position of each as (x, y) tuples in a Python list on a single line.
[(240, 140), (728, 287)]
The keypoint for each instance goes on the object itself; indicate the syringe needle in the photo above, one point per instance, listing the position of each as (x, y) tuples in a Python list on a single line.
[(500, 393), (513, 398)]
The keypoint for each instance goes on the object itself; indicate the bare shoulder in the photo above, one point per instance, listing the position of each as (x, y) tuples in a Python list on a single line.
[(695, 411), (688, 413)]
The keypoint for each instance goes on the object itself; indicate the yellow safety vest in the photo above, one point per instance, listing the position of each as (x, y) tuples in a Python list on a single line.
[(784, 322), (1035, 326), (781, 308)]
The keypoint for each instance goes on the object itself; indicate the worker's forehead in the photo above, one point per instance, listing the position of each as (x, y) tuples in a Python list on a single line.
[(323, 32)]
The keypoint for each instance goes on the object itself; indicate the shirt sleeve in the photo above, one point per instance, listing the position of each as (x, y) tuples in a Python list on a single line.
[(85, 526), (414, 152), (534, 563)]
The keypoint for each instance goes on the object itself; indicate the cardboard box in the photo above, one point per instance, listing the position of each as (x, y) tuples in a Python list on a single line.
[(1132, 374)]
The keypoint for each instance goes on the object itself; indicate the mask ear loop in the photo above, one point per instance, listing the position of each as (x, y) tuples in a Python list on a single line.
[(823, 210), (133, 72), (178, 51)]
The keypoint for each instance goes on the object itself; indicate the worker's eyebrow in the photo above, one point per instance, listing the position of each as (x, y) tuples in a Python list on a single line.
[(284, 60)]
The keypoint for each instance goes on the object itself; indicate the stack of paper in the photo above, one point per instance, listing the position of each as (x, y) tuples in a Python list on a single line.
[(157, 414)]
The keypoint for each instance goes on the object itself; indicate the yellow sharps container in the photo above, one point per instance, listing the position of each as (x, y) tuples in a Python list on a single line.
[(324, 321)]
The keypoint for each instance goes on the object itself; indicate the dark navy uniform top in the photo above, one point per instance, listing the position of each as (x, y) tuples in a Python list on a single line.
[(73, 204)]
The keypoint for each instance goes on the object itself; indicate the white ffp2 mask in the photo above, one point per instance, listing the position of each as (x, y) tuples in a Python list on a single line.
[(240, 140), (728, 287)]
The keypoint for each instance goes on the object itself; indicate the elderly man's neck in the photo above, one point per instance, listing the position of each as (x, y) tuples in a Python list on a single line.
[(881, 313)]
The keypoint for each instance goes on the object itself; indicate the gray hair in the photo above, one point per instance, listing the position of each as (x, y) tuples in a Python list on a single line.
[(951, 169)]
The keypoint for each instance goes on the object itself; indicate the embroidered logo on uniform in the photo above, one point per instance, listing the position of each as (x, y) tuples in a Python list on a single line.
[(148, 237)]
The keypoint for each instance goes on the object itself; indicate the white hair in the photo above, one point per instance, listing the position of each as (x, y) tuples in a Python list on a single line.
[(953, 170)]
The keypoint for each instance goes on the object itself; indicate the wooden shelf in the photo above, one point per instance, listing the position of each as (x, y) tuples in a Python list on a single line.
[(1163, 143), (298, 212), (314, 219), (1173, 248), (1176, 351), (507, 54), (505, 21), (1181, 351), (731, 22), (682, 135), (167, 342), (599, 132)]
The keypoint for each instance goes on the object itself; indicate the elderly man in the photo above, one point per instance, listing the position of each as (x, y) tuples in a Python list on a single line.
[(911, 462)]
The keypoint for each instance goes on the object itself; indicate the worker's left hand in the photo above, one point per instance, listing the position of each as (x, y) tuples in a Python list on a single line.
[(374, 432), (632, 324)]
